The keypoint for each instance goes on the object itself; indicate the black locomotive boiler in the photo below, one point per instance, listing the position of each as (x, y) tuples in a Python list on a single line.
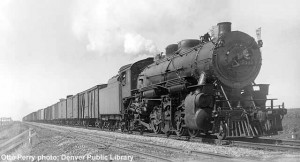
[(198, 86), (206, 86)]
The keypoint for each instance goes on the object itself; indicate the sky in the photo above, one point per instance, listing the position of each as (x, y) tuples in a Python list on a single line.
[(53, 48)]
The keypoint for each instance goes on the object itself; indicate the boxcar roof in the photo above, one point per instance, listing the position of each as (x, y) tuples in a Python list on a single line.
[(94, 87)]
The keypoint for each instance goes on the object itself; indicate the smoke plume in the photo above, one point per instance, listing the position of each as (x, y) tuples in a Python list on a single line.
[(131, 26), (136, 44)]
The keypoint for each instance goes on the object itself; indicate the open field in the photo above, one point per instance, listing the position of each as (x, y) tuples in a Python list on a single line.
[(9, 131), (291, 125)]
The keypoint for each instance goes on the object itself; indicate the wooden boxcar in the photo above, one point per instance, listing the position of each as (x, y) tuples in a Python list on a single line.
[(88, 105), (110, 104), (48, 114), (69, 115), (62, 111)]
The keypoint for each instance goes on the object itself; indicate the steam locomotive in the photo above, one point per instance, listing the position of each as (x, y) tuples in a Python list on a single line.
[(199, 86)]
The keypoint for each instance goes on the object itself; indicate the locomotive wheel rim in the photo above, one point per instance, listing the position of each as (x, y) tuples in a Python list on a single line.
[(180, 131), (155, 122), (155, 127), (222, 133), (193, 132)]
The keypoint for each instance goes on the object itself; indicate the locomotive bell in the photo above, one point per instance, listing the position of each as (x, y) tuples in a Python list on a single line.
[(188, 43)]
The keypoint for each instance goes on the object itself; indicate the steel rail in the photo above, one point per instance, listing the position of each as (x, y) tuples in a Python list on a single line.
[(265, 146), (279, 141)]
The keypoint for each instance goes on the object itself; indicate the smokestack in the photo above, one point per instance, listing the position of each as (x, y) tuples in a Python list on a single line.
[(224, 27)]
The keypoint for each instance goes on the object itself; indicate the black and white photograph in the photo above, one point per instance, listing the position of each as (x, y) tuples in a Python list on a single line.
[(149, 80)]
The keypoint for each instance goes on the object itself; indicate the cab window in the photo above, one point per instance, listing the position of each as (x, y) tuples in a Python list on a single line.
[(123, 78)]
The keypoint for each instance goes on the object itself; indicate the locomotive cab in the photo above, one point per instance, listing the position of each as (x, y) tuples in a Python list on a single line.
[(129, 76)]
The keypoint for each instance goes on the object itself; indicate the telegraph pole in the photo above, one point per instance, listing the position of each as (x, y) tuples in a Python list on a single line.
[(5, 121)]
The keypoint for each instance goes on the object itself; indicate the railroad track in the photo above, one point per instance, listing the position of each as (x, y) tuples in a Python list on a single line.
[(164, 147), (279, 142), (266, 146), (261, 143), (98, 139)]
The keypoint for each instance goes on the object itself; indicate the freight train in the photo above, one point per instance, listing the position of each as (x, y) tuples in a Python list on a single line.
[(197, 86)]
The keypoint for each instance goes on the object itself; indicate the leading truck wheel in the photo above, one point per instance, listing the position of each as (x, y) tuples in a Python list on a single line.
[(193, 133), (155, 127), (222, 131)]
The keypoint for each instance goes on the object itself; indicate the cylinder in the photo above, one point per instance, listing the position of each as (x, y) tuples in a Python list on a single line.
[(202, 100), (224, 27), (196, 117)]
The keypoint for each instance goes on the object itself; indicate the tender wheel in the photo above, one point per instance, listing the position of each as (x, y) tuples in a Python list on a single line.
[(122, 128), (97, 124), (142, 130), (85, 124), (222, 132), (193, 133)]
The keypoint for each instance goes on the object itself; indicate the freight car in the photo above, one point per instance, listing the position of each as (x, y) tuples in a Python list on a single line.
[(198, 86)]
